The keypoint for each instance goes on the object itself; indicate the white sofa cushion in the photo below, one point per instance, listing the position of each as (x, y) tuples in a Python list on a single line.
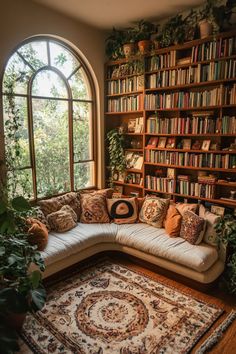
[(155, 241), (62, 245)]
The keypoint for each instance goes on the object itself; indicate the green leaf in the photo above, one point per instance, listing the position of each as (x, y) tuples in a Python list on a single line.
[(3, 207), (35, 278), (38, 297), (20, 204)]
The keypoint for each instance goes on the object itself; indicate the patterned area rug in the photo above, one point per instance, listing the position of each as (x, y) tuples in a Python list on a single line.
[(110, 309)]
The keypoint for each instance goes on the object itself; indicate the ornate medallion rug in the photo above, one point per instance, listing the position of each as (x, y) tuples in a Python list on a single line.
[(110, 309)]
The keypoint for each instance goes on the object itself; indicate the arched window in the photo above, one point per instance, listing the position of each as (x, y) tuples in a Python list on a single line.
[(49, 109)]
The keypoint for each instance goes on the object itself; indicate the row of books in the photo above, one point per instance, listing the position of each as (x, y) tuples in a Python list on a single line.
[(118, 71), (126, 85), (161, 61), (199, 124), (196, 189), (214, 49), (213, 71), (125, 104), (191, 159), (229, 95), (163, 184), (183, 99)]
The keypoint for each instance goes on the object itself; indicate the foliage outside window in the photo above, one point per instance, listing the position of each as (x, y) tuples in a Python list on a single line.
[(48, 120)]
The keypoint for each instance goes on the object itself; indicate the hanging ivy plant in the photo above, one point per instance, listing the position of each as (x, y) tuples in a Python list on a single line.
[(13, 124), (116, 153)]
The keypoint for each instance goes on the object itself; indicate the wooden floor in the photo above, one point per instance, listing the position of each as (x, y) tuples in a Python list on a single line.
[(227, 344)]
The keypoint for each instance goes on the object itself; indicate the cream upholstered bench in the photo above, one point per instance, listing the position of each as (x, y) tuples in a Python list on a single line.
[(202, 263)]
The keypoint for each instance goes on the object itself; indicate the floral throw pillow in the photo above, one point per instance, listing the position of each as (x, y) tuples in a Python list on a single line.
[(192, 228), (49, 206), (211, 221), (94, 209), (123, 210), (62, 220), (154, 211), (72, 200)]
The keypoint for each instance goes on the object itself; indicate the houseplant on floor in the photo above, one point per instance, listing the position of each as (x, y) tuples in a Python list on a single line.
[(21, 289), (226, 235)]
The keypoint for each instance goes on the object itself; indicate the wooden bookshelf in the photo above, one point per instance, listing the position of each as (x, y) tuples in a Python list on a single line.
[(202, 92)]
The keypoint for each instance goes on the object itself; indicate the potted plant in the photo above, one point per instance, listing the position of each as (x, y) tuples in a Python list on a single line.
[(226, 235), (144, 30), (116, 153), (207, 19), (114, 44), (21, 288), (173, 32), (129, 46)]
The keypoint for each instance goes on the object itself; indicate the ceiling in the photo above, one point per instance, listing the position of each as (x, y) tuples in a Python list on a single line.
[(105, 14)]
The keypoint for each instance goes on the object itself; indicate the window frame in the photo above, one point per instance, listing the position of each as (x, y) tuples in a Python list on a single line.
[(29, 99)]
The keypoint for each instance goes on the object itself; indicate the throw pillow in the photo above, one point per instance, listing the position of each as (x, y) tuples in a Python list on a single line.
[(123, 210), (192, 228), (39, 215), (183, 207), (63, 219), (38, 233), (211, 220), (154, 210), (172, 222), (107, 192), (72, 200), (49, 206), (94, 208)]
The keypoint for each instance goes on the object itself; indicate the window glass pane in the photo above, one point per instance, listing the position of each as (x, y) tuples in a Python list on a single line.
[(16, 131), (48, 84), (80, 86), (16, 75), (35, 53), (20, 183), (82, 130), (62, 59), (84, 175), (51, 139)]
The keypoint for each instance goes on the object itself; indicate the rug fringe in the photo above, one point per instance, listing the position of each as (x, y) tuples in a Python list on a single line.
[(214, 338)]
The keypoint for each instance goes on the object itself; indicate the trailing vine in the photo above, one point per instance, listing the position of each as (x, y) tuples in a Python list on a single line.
[(116, 153)]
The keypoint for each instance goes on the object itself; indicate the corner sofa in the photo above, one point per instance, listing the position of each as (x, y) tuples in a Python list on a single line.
[(202, 263)]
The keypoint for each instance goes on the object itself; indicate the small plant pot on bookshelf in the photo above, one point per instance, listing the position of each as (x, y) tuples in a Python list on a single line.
[(156, 44), (129, 49), (144, 46), (206, 28)]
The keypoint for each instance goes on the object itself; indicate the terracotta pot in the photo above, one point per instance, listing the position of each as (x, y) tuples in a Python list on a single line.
[(129, 49), (206, 28), (16, 320), (144, 46)]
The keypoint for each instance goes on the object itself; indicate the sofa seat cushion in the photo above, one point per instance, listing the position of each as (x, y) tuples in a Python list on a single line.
[(62, 245), (155, 241)]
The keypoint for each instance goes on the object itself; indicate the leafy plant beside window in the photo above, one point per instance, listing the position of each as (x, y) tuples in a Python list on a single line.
[(116, 153), (226, 234), (21, 289)]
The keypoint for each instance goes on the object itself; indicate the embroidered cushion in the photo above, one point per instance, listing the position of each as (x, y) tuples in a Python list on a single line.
[(154, 210), (72, 200), (123, 210), (107, 192), (94, 208), (62, 220), (39, 215), (211, 220), (38, 233), (49, 206), (192, 228), (183, 207), (172, 222)]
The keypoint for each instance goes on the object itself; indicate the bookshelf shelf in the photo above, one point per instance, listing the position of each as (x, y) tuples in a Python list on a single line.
[(229, 170), (180, 76)]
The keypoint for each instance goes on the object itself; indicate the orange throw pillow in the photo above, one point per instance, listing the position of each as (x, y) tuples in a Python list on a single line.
[(38, 233), (173, 221)]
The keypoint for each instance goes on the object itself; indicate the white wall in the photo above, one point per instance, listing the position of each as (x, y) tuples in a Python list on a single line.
[(20, 19)]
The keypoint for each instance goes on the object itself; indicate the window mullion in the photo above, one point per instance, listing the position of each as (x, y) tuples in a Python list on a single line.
[(26, 62)]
